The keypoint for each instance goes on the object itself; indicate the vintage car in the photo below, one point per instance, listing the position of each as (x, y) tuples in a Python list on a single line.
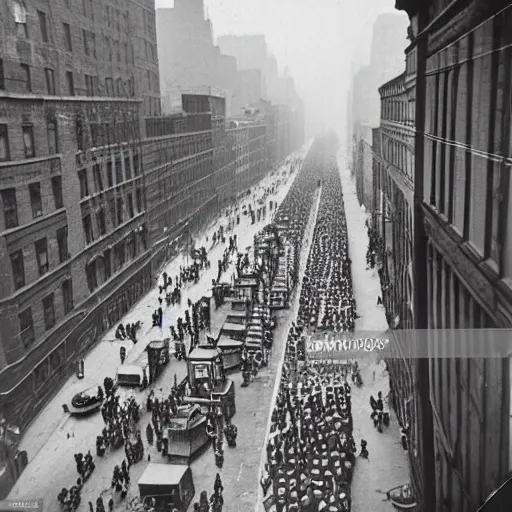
[(187, 433), (166, 487), (85, 402)]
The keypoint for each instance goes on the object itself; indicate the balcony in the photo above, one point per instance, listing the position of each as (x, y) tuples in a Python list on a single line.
[(14, 172)]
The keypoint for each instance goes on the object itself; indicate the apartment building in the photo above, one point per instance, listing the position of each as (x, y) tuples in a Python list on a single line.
[(73, 101)]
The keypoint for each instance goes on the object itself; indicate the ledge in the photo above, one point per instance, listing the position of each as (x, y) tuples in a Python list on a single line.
[(76, 99)]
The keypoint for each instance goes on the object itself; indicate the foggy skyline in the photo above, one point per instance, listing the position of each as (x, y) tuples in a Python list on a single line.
[(319, 42)]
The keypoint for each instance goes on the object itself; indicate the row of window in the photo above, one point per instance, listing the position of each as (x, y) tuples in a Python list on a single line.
[(465, 186), (99, 270), (118, 88), (27, 132), (117, 207), (96, 135), (26, 321), (113, 168), (114, 17), (42, 259), (159, 153), (10, 204), (398, 154)]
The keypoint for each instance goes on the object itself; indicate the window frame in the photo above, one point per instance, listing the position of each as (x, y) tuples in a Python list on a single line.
[(48, 303), (62, 235), (68, 44), (20, 283), (29, 327), (50, 81), (70, 81), (51, 125), (58, 198), (27, 129), (67, 295), (4, 132), (39, 245), (36, 197), (13, 207), (43, 26)]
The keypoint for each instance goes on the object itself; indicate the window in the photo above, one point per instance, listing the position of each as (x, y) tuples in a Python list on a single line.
[(93, 44), (90, 271), (35, 199), (89, 85), (4, 144), (67, 295), (127, 167), (79, 134), (86, 42), (110, 175), (84, 186), (119, 171), (53, 143), (130, 205), (42, 255), (138, 199), (109, 86), (119, 256), (100, 217), (28, 140), (18, 270), (70, 82), (113, 217), (87, 224), (67, 37), (26, 327), (136, 164), (2, 78), (107, 263), (119, 87), (98, 181), (25, 77), (49, 312), (43, 26), (57, 191), (130, 247), (10, 208), (119, 210), (50, 81), (62, 242), (20, 18)]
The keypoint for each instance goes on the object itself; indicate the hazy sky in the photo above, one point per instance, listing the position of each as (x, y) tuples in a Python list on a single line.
[(317, 39)]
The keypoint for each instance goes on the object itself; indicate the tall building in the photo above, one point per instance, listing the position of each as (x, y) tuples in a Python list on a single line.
[(187, 54), (85, 150), (462, 242), (70, 130), (386, 61), (392, 226)]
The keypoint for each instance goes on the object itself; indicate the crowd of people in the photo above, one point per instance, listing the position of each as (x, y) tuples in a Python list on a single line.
[(121, 418), (328, 302), (311, 451)]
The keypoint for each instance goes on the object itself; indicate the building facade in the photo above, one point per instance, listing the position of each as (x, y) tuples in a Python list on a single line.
[(462, 248), (392, 222), (386, 60), (70, 131)]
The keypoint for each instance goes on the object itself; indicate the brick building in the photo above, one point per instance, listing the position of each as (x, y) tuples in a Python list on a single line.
[(392, 220), (84, 150), (462, 242), (75, 83)]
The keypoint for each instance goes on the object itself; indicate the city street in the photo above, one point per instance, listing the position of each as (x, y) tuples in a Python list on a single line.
[(387, 466), (54, 437)]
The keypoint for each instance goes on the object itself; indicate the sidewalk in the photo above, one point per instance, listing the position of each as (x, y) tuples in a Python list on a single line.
[(387, 466), (50, 450)]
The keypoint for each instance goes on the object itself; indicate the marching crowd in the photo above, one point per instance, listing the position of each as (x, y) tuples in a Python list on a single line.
[(311, 451)]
